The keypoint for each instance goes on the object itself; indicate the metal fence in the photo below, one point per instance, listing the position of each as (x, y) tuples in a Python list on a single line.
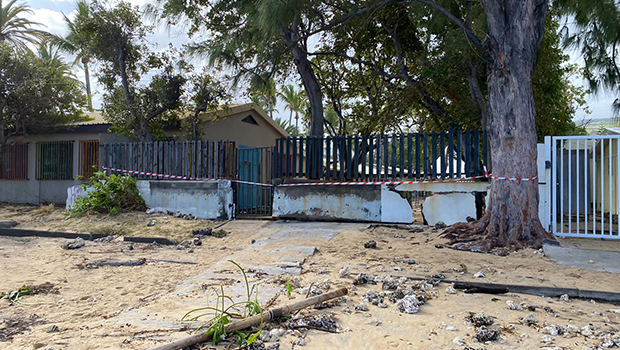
[(586, 178), (443, 155), (204, 159)]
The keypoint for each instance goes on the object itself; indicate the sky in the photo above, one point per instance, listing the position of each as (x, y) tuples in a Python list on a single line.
[(50, 14)]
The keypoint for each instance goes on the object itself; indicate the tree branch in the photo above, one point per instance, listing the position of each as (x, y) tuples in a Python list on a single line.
[(468, 32)]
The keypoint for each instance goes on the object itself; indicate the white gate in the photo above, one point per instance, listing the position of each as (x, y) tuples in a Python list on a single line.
[(585, 174)]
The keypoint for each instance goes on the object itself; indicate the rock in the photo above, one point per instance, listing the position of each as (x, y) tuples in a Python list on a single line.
[(344, 272), (553, 330), (370, 244), (470, 219), (76, 244), (151, 223), (458, 341), (52, 329), (513, 306), (607, 341), (479, 274), (150, 211), (614, 311), (184, 245), (398, 268), (275, 346), (362, 279), (8, 224), (411, 262), (484, 334), (300, 341), (375, 322), (360, 307), (203, 232), (177, 214), (546, 339), (564, 297), (481, 319), (440, 225), (197, 241), (450, 290), (529, 320), (390, 285), (451, 329), (408, 304)]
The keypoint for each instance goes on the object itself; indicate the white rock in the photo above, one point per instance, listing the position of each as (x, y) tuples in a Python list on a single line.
[(451, 329), (614, 311), (564, 297), (479, 274), (458, 341), (513, 306), (547, 339), (300, 341), (376, 322), (551, 330), (408, 304), (344, 272), (450, 290), (524, 335)]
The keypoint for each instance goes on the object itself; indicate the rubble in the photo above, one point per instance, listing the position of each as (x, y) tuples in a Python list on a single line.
[(479, 274), (480, 319), (370, 244), (484, 334), (513, 306), (529, 320), (344, 272), (76, 244), (408, 304)]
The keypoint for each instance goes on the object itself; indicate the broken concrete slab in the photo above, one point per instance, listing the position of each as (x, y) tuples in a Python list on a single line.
[(449, 208)]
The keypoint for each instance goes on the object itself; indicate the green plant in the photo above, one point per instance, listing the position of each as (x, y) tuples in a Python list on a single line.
[(15, 296), (226, 309), (111, 194), (289, 289)]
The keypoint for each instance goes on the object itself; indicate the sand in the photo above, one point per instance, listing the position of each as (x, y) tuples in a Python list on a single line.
[(87, 304)]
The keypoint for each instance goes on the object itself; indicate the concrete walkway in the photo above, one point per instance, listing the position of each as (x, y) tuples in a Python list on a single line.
[(589, 259), (279, 248)]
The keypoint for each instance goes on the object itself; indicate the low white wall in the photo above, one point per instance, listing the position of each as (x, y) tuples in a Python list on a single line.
[(449, 208), (349, 203), (205, 200)]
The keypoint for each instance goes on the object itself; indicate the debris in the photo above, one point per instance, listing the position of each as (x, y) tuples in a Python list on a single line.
[(614, 311), (221, 233), (175, 261), (480, 319), (451, 329), (459, 341), (183, 245), (76, 244), (513, 306), (363, 278), (484, 334), (8, 224), (370, 244), (360, 307), (440, 225), (398, 268), (98, 263), (197, 241), (564, 297), (470, 219), (375, 322), (547, 339), (411, 262), (52, 329), (203, 232), (461, 269), (398, 235), (479, 274), (322, 320), (408, 304), (450, 290), (529, 320), (150, 211), (344, 272), (151, 223), (300, 341)]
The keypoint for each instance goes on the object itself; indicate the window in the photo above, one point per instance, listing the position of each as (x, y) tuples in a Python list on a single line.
[(250, 120), (88, 157), (14, 161), (54, 160)]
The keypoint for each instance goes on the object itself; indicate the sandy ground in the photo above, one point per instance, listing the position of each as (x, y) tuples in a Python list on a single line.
[(50, 218), (87, 305)]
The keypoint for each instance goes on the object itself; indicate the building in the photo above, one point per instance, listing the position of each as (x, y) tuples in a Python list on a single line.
[(39, 168)]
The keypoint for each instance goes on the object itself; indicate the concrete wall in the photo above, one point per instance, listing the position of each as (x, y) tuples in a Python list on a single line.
[(45, 191), (349, 203), (205, 200)]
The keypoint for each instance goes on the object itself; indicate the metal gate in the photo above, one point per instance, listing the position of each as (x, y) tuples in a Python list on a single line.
[(585, 194), (254, 167)]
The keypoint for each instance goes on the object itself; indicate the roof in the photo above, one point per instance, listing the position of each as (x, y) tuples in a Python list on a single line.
[(245, 107), (94, 118)]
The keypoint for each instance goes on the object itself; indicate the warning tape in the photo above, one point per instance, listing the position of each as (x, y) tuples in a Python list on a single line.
[(508, 178), (181, 177), (343, 183)]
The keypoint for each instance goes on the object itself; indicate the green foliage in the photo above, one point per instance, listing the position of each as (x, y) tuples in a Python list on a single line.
[(38, 94), (15, 296), (595, 26), (226, 309), (111, 194), (17, 31)]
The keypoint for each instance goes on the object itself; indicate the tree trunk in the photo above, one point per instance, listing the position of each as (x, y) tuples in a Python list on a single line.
[(313, 89), (143, 132), (511, 222), (87, 82)]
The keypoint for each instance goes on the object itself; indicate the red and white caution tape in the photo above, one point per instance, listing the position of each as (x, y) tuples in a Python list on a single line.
[(181, 177), (508, 178), (361, 183)]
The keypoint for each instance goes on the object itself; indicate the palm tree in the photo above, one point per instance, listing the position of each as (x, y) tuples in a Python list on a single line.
[(16, 30), (77, 41), (50, 56), (294, 102)]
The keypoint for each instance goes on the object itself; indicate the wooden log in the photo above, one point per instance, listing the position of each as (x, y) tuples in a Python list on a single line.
[(98, 263), (254, 320)]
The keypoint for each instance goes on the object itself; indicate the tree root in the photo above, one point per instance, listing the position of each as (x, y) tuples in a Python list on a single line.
[(483, 236)]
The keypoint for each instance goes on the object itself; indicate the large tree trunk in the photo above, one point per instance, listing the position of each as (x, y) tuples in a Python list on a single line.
[(87, 82), (143, 132), (511, 222), (313, 89)]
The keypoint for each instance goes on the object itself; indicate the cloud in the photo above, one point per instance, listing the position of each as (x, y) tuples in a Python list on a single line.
[(51, 19)]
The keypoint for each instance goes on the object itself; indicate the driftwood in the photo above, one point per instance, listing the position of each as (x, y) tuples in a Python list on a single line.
[(254, 320), (486, 289), (98, 263), (175, 261)]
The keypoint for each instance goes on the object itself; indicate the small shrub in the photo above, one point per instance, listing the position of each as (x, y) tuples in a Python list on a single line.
[(112, 194), (44, 210)]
